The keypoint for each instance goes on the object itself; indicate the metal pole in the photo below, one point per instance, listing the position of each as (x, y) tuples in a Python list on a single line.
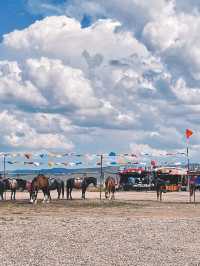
[(4, 166), (101, 175), (4, 170), (188, 160)]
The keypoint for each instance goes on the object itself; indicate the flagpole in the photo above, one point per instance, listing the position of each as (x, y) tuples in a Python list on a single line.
[(4, 166), (4, 169), (188, 134)]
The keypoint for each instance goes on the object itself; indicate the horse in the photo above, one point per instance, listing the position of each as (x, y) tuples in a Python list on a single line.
[(192, 187), (11, 184), (110, 187), (2, 189), (159, 186), (21, 184), (79, 183), (39, 182), (57, 184)]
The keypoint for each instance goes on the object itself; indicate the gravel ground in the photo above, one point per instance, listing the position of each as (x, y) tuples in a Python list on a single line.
[(93, 233)]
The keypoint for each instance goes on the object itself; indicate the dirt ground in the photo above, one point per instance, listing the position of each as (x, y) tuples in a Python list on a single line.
[(134, 229)]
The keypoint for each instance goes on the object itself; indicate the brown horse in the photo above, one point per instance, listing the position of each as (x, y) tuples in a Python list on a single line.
[(39, 182), (110, 187)]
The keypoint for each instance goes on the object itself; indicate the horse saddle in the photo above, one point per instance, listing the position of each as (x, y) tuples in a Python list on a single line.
[(78, 182), (51, 181)]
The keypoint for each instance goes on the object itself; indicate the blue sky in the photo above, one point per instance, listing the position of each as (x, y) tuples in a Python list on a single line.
[(14, 15), (128, 82)]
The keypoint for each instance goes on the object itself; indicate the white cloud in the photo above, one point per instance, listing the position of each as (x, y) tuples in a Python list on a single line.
[(112, 77), (17, 133), (62, 85), (14, 89)]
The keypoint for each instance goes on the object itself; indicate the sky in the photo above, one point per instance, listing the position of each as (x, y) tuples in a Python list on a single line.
[(98, 76)]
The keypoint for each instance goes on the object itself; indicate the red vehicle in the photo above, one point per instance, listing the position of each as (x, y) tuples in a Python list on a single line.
[(175, 178)]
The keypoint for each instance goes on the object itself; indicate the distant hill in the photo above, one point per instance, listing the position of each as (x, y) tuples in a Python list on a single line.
[(65, 171)]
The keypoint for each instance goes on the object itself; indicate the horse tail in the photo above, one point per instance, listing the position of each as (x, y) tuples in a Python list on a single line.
[(63, 188)]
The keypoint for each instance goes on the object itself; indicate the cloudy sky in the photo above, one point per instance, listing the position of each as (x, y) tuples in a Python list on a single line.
[(97, 76)]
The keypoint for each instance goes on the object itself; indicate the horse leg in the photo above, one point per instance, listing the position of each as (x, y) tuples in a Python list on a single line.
[(110, 194), (113, 194), (67, 190), (48, 195), (83, 192), (70, 193), (106, 194), (35, 200), (160, 195), (59, 191), (157, 191), (14, 193), (45, 195), (63, 189)]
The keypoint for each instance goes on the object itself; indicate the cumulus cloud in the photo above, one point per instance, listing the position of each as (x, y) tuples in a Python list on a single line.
[(133, 74), (18, 134)]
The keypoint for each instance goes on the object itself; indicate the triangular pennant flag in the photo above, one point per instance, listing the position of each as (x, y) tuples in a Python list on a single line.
[(50, 164), (188, 133), (65, 164), (36, 164), (112, 153), (27, 155)]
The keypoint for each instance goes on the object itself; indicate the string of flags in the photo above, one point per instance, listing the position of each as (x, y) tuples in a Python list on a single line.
[(77, 160), (73, 159), (111, 154)]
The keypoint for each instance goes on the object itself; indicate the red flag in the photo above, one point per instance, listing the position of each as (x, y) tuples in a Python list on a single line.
[(188, 133)]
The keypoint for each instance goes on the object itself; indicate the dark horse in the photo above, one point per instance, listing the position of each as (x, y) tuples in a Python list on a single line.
[(56, 183), (39, 182), (160, 186), (2, 189), (110, 187), (79, 183)]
